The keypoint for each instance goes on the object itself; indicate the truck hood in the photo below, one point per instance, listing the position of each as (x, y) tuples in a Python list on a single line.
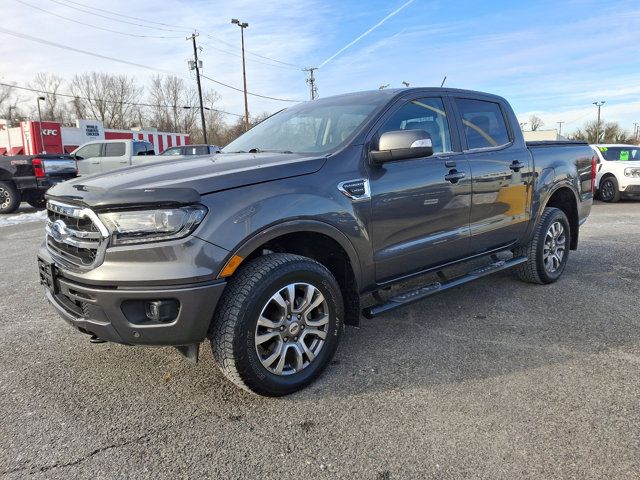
[(182, 181)]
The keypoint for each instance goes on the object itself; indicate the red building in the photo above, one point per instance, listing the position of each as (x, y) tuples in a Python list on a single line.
[(31, 138)]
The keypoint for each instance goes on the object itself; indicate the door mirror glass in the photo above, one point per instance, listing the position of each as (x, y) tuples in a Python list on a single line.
[(402, 145)]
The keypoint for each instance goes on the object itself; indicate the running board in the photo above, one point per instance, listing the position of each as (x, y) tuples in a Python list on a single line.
[(425, 291)]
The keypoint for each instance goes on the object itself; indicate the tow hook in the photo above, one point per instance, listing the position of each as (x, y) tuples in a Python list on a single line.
[(96, 339)]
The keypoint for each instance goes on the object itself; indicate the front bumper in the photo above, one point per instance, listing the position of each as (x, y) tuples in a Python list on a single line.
[(117, 313)]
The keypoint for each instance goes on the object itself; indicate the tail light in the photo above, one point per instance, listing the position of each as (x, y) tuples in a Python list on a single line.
[(38, 167), (594, 166)]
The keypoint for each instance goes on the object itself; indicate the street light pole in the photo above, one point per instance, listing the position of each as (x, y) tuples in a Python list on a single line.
[(40, 126), (196, 67), (599, 105), (635, 132), (560, 128), (242, 26)]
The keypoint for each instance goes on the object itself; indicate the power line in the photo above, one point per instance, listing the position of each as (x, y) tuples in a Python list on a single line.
[(300, 67), (250, 93), (127, 16), (69, 95), (286, 67), (91, 25), (127, 62), (181, 29), (116, 19)]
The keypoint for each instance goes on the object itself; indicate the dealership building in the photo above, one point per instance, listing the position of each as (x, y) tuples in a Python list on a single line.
[(31, 138)]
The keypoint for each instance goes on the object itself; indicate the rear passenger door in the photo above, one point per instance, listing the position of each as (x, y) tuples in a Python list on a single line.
[(420, 206), (501, 173), (115, 156)]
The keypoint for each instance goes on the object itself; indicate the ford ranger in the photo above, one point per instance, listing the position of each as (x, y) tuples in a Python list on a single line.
[(302, 224)]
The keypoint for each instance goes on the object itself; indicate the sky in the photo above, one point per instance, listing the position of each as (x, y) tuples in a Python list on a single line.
[(549, 58)]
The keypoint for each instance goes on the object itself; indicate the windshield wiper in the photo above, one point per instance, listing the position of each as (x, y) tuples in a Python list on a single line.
[(259, 150)]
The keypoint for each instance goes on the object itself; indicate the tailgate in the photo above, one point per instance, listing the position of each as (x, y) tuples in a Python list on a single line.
[(60, 167)]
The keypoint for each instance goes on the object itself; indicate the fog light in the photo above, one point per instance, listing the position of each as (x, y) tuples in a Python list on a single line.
[(161, 310)]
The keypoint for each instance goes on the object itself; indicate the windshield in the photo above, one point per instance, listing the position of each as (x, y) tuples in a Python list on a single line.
[(623, 154), (313, 127)]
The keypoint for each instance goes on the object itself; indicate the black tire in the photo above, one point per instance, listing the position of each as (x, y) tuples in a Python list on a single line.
[(9, 197), (234, 329), (535, 269), (36, 200), (609, 191)]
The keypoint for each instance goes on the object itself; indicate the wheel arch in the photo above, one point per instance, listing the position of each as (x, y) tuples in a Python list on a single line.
[(566, 199), (319, 241)]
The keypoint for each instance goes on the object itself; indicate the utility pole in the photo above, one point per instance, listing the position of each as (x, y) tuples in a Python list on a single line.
[(599, 105), (559, 128), (635, 131), (313, 88), (196, 66), (44, 150), (242, 26)]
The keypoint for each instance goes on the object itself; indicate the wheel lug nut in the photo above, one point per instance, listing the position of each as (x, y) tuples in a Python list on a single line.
[(299, 317), (282, 328), (286, 339), (288, 317), (301, 327), (295, 339)]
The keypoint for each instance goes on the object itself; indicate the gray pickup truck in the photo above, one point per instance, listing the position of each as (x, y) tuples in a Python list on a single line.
[(299, 227)]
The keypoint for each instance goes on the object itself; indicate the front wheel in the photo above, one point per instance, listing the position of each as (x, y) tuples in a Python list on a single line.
[(548, 250), (609, 191), (278, 324)]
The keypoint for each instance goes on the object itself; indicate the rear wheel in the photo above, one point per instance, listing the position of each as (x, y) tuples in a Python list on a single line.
[(278, 324), (609, 191), (548, 250), (9, 197)]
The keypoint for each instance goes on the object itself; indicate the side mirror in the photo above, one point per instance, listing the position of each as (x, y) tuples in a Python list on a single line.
[(402, 145)]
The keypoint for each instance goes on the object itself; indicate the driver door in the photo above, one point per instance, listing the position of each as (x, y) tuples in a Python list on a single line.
[(420, 219)]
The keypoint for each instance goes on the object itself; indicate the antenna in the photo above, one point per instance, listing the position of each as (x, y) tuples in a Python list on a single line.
[(443, 80)]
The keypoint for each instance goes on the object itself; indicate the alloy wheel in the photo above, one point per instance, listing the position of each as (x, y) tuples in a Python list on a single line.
[(607, 190), (554, 247), (5, 199), (292, 329)]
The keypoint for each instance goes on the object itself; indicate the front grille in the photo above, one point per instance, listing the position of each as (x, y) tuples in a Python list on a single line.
[(75, 235)]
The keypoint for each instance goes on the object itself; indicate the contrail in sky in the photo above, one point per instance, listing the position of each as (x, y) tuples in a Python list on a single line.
[(392, 14)]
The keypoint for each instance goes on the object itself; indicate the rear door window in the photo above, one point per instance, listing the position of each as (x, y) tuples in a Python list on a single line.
[(483, 123), (117, 149)]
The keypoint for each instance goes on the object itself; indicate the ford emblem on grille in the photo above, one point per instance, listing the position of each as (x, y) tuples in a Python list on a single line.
[(59, 231)]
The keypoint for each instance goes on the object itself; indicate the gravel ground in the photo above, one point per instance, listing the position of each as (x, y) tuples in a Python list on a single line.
[(497, 379)]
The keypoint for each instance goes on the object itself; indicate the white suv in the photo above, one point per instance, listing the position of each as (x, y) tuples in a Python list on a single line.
[(618, 171)]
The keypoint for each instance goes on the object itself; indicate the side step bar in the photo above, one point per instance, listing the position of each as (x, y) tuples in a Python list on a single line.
[(425, 291)]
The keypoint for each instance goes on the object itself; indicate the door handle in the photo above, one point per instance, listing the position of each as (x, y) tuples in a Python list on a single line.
[(453, 176), (516, 165)]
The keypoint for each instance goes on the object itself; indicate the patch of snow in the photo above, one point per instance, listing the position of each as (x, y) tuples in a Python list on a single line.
[(23, 218)]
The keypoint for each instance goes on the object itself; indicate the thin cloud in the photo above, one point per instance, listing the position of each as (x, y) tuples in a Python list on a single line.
[(392, 14)]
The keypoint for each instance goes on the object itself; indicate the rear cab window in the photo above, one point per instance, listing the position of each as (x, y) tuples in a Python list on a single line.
[(483, 123), (116, 149), (140, 148)]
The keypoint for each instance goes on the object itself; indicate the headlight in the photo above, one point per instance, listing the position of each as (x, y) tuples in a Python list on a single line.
[(632, 172), (141, 226)]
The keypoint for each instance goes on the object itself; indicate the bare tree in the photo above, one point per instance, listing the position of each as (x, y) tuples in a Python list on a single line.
[(9, 103), (176, 108), (106, 97), (609, 132), (535, 122), (55, 107)]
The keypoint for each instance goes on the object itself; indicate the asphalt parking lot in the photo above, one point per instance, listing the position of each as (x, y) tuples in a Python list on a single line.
[(497, 379)]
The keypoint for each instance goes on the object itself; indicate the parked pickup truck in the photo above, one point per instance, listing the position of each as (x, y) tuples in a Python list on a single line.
[(618, 171), (104, 155), (25, 178), (301, 224)]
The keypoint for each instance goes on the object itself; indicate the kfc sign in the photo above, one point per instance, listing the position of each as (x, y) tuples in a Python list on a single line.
[(49, 131)]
